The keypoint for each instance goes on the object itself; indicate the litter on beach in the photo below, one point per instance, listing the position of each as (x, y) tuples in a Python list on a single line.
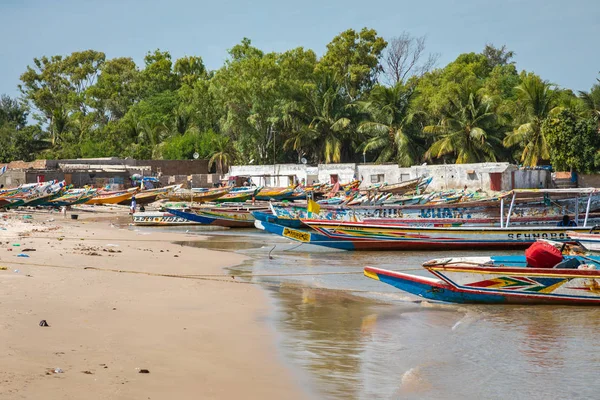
[(23, 255)]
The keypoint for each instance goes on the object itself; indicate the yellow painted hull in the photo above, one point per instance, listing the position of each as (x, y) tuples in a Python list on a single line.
[(111, 199)]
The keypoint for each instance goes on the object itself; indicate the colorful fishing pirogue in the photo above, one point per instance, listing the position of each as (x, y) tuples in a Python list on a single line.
[(501, 279)]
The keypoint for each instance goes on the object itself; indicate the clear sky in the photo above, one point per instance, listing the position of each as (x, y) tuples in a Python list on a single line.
[(558, 39)]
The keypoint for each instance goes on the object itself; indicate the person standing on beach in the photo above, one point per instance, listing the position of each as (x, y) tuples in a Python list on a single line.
[(133, 205)]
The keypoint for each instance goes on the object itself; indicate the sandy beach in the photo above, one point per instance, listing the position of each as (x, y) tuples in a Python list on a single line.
[(111, 313)]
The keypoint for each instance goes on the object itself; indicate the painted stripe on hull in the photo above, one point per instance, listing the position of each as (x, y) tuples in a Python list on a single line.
[(442, 291)]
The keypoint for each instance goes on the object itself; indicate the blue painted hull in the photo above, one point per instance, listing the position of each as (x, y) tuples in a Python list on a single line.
[(302, 235), (436, 292), (268, 217), (192, 216)]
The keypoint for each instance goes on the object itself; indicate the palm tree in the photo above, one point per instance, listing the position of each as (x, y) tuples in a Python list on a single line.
[(591, 99), (468, 129), (389, 112), (538, 100), (224, 153), (331, 117)]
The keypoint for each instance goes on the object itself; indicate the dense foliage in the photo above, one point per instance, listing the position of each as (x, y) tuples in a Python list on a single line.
[(365, 99)]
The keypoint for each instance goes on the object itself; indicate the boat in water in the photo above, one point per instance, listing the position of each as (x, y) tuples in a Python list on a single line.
[(392, 234), (574, 280)]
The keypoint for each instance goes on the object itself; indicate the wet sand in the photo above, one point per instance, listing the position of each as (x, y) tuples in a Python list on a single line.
[(111, 313)]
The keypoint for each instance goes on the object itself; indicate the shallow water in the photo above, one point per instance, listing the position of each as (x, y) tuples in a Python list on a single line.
[(354, 338)]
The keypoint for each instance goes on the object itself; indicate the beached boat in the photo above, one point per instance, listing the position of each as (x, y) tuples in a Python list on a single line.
[(113, 197), (239, 195), (232, 217), (72, 197), (500, 280), (267, 193), (413, 185), (590, 240), (148, 196), (196, 195), (158, 218)]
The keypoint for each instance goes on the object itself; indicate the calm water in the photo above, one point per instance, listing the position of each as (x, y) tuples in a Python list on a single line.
[(350, 337)]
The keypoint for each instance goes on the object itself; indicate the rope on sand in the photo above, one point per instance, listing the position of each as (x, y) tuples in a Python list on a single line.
[(212, 277)]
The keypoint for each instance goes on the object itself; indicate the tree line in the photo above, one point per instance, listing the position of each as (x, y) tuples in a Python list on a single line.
[(365, 99)]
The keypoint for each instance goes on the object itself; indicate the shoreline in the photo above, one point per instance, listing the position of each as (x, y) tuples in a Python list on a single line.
[(198, 338)]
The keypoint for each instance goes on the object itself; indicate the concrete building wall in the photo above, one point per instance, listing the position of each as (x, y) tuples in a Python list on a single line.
[(370, 174), (529, 179), (588, 180), (12, 178), (280, 175), (345, 172)]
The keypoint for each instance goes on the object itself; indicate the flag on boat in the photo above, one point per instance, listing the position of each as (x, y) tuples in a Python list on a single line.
[(3, 169), (313, 207)]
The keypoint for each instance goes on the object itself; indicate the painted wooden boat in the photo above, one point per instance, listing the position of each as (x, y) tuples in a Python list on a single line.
[(369, 236), (414, 185), (196, 195), (270, 217), (590, 240), (238, 195), (148, 196), (307, 236), (158, 218), (268, 194), (73, 197), (113, 197), (499, 280), (229, 217)]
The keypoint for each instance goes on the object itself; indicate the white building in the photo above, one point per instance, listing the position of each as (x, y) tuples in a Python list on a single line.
[(485, 176)]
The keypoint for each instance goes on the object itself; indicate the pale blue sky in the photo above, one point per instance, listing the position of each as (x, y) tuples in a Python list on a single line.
[(560, 40)]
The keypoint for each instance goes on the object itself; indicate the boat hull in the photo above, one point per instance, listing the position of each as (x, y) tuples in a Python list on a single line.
[(307, 236), (269, 217), (590, 241), (159, 219), (363, 236), (233, 220), (501, 286)]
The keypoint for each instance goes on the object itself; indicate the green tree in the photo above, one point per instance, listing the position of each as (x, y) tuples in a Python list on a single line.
[(573, 141), (537, 100), (468, 130), (223, 155), (353, 60), (331, 117), (591, 99), (389, 116)]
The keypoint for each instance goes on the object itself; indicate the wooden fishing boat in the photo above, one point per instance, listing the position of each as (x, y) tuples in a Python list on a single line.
[(239, 195), (196, 195), (307, 236), (267, 194), (270, 217), (238, 217), (500, 280), (113, 197), (413, 185), (148, 196), (590, 240), (158, 218), (73, 197), (370, 236)]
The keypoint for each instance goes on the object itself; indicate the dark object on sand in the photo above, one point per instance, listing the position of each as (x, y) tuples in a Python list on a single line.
[(144, 371), (44, 323), (74, 216)]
